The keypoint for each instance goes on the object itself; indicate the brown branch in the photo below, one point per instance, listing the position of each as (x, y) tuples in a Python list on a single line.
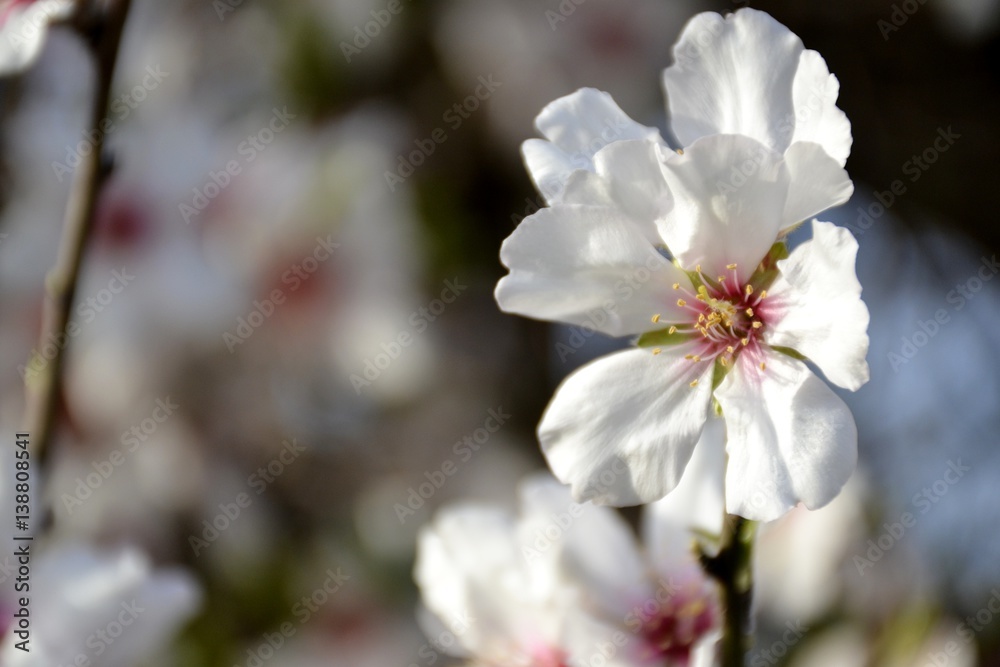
[(102, 30)]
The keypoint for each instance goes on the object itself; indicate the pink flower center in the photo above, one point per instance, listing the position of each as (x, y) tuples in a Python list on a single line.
[(679, 624), (728, 317)]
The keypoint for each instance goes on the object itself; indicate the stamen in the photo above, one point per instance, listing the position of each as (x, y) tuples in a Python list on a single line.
[(744, 342), (724, 361), (749, 289), (731, 267), (681, 302), (749, 312), (656, 318), (763, 366), (656, 350), (757, 324), (672, 329), (693, 383)]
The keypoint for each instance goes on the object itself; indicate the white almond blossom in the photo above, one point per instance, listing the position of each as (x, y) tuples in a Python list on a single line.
[(23, 24), (565, 584), (685, 249), (110, 608)]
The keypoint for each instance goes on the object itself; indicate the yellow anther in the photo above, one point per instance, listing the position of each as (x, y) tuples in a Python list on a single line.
[(757, 325), (724, 361), (681, 302), (657, 350), (677, 285), (749, 290), (693, 383), (680, 151), (749, 312), (744, 342), (689, 356), (729, 349), (697, 268), (720, 279), (731, 267), (763, 294), (672, 329), (763, 366), (696, 358), (656, 318)]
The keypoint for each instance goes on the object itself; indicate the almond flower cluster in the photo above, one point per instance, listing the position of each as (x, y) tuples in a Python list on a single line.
[(683, 248)]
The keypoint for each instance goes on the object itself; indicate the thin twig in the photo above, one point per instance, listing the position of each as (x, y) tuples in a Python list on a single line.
[(102, 30)]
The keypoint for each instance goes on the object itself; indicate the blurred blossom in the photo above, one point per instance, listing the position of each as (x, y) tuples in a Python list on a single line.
[(113, 607), (23, 24), (560, 584)]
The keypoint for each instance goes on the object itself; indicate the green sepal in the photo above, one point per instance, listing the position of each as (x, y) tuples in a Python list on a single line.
[(767, 270), (663, 338), (794, 354)]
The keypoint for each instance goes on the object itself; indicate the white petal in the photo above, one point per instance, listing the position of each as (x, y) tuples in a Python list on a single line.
[(818, 311), (22, 33), (817, 118), (734, 75), (626, 177), (790, 438), (589, 267), (817, 183), (748, 74), (577, 125), (621, 429), (590, 547), (729, 195), (467, 551), (696, 506)]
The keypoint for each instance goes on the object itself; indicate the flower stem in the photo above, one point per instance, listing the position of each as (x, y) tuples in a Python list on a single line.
[(102, 30), (732, 568)]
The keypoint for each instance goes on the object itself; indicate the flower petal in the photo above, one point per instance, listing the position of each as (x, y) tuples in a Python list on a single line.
[(24, 26), (466, 561), (697, 507), (818, 308), (748, 74), (733, 75), (590, 546), (626, 177), (790, 438), (817, 118), (576, 127), (621, 429), (729, 195), (817, 183), (589, 267)]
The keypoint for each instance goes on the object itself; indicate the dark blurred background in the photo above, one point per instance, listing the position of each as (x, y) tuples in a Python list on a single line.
[(396, 168)]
